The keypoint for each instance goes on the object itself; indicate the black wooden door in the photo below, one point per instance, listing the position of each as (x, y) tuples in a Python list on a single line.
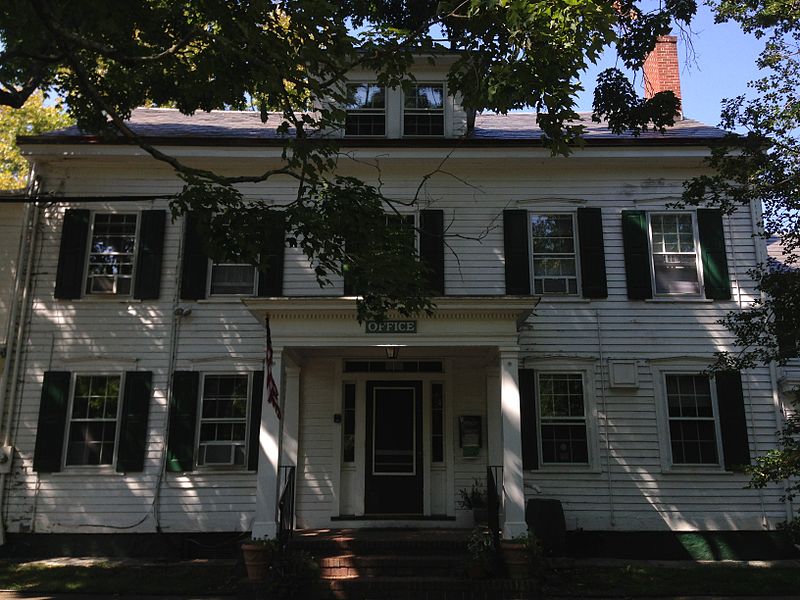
[(394, 448)]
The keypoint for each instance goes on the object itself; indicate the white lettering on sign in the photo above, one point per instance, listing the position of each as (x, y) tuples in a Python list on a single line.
[(391, 327)]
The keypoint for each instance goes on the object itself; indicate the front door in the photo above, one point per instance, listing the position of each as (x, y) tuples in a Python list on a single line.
[(394, 448)]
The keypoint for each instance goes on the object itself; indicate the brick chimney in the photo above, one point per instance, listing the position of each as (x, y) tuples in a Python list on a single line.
[(661, 69)]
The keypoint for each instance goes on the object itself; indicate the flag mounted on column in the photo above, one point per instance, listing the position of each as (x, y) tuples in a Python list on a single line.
[(272, 389)]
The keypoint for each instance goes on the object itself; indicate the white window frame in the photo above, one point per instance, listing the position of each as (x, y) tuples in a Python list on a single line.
[(576, 245), (404, 110), (689, 367), (199, 421), (210, 273), (697, 256), (574, 366), (368, 110), (87, 261), (65, 447)]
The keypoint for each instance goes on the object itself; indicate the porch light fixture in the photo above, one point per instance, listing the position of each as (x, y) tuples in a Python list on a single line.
[(392, 352)]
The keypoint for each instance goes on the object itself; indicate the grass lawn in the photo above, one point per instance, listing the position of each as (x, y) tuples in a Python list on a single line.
[(642, 581), (582, 581), (115, 578)]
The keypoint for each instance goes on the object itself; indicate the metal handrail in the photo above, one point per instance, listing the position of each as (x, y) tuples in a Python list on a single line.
[(494, 474), (286, 505)]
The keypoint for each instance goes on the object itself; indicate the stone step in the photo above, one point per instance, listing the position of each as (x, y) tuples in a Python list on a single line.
[(350, 566), (433, 544), (430, 588)]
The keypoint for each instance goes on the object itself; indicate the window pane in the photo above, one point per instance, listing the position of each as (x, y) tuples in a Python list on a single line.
[(223, 420), (111, 254), (554, 258), (93, 420), (349, 425), (564, 444), (692, 426), (424, 110), (366, 110), (674, 255), (437, 422)]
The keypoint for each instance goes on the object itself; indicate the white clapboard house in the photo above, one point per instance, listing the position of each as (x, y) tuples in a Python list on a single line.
[(575, 317)]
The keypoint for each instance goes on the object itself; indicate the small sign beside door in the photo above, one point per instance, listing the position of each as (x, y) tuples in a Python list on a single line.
[(391, 327)]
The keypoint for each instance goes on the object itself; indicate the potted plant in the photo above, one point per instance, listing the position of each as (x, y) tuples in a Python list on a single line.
[(258, 554), (482, 554), (292, 574), (474, 499), (521, 556)]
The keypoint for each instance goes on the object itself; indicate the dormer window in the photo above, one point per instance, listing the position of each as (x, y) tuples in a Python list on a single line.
[(424, 110), (366, 110)]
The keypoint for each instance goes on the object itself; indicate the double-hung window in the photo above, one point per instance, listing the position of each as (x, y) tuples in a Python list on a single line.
[(93, 416), (562, 418), (365, 110), (554, 263), (223, 420), (423, 113), (673, 244), (112, 248), (692, 419), (232, 279)]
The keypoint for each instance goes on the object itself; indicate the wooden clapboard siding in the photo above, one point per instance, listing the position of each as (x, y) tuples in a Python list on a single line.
[(135, 335)]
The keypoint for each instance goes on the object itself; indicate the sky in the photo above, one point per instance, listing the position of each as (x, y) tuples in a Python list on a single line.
[(723, 63)]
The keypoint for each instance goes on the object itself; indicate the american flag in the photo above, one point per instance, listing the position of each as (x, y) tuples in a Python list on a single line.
[(272, 389)]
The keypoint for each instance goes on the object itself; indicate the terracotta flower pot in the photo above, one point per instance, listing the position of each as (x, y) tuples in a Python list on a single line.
[(516, 562), (255, 561)]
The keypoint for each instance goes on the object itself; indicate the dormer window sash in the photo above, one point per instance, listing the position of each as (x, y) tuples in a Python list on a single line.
[(423, 113), (366, 110)]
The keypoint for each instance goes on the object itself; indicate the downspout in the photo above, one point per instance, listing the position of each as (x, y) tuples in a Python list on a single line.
[(19, 304), (777, 403), (605, 419)]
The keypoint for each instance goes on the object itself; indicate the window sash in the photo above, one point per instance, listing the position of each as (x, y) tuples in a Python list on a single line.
[(437, 423), (674, 258), (563, 438), (423, 120), (554, 272), (367, 119), (698, 445), (80, 428), (111, 271), (210, 447)]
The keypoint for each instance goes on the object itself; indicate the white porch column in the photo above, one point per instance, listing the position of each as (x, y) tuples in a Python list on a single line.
[(291, 414), (266, 520), (513, 485), (494, 426)]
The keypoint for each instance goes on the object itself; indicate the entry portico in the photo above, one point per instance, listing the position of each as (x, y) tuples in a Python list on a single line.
[(362, 429)]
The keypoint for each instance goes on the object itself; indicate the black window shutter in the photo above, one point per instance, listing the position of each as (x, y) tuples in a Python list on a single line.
[(270, 281), (637, 254), (732, 421), (256, 396), (195, 263), (431, 247), (593, 253), (52, 422), (150, 252), (349, 284), (787, 333), (72, 254), (133, 425), (530, 428), (712, 250), (182, 421), (515, 245)]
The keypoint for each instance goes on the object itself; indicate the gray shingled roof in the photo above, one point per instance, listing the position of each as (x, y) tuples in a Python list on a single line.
[(164, 123)]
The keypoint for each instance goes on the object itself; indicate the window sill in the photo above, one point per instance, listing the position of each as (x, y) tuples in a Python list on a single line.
[(680, 300), (565, 469), (88, 470), (109, 299), (224, 299), (565, 299), (695, 470)]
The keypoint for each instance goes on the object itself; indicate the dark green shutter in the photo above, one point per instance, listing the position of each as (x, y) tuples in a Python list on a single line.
[(256, 396), (52, 422), (515, 245), (133, 425), (150, 252), (637, 254), (431, 247), (712, 250), (530, 428), (732, 420), (72, 254), (270, 280), (593, 253), (182, 421), (786, 332), (195, 262)]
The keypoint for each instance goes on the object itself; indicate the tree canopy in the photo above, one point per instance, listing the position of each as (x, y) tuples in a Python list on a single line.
[(105, 59), (31, 118)]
